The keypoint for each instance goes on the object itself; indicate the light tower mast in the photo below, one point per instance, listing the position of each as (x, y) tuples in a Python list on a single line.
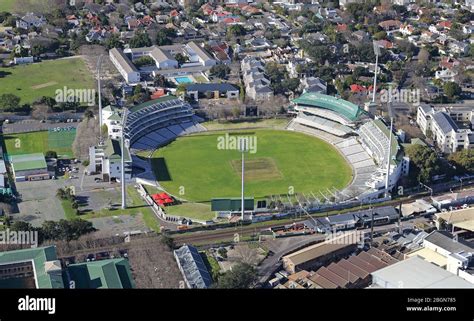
[(123, 147)]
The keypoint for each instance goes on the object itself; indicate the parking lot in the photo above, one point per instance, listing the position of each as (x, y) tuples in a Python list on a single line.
[(120, 225), (39, 202)]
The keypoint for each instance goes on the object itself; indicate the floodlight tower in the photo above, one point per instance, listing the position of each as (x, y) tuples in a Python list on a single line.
[(123, 147), (389, 157), (99, 63), (377, 54), (243, 146)]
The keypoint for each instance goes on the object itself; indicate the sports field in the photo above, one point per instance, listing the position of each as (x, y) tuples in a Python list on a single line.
[(6, 5), (33, 81), (196, 169), (40, 142)]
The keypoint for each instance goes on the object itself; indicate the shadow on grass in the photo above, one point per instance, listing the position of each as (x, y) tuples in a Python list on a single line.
[(160, 169), (3, 73)]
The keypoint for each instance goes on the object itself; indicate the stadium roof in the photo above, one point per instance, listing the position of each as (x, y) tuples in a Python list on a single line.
[(105, 274), (417, 273), (343, 107), (151, 103), (39, 256), (26, 162)]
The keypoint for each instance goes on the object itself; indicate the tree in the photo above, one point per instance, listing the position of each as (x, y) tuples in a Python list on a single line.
[(180, 58), (242, 276), (51, 154), (141, 39), (463, 161), (235, 31), (162, 38), (88, 114), (113, 42), (452, 89), (144, 61), (380, 35), (104, 130), (9, 102), (424, 163), (220, 71), (168, 241)]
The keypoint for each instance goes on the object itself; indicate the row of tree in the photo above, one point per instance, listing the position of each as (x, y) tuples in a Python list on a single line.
[(66, 230)]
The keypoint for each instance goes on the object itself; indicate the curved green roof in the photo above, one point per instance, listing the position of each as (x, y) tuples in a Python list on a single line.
[(343, 107)]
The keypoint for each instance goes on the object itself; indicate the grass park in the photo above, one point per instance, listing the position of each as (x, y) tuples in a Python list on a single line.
[(194, 169), (32, 81), (6, 5), (40, 142)]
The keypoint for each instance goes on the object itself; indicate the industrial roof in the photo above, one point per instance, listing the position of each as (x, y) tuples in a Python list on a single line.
[(465, 225), (314, 251), (446, 241), (430, 256), (417, 273), (193, 267), (105, 274), (39, 256), (28, 162), (343, 107)]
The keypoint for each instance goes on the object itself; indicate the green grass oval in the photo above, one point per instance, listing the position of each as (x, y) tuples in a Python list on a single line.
[(283, 161)]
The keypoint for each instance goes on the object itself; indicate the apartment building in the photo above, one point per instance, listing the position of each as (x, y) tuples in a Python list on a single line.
[(439, 124)]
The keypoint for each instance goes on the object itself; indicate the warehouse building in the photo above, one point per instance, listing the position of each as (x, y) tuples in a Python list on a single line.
[(29, 167), (103, 274), (317, 255), (35, 268), (416, 273)]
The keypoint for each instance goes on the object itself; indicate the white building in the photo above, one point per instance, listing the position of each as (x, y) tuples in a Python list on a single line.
[(126, 68), (440, 126), (112, 118), (257, 85), (107, 160), (30, 20)]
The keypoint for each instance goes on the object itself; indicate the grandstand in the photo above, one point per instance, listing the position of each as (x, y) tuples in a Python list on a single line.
[(374, 135), (157, 122), (327, 107), (363, 142), (323, 124)]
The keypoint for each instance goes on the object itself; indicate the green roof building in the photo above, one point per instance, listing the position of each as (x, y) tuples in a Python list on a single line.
[(348, 111), (29, 167), (31, 268), (106, 274)]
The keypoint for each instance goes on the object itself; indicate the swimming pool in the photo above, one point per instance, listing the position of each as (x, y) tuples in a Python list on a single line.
[(183, 80)]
